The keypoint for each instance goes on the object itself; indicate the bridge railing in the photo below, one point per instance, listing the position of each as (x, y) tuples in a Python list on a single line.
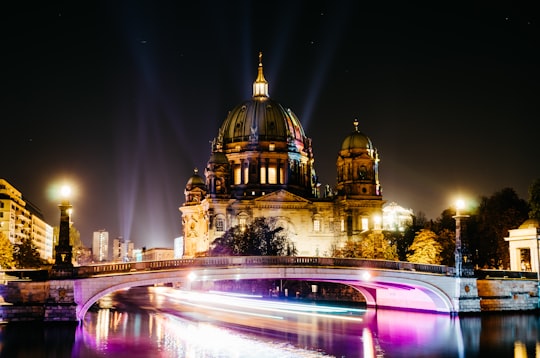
[(228, 261), (498, 274), (235, 261)]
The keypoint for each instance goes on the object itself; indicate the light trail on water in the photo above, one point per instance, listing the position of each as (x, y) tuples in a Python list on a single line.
[(245, 304)]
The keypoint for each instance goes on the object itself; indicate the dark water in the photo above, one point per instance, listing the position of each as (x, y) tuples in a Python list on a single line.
[(156, 323)]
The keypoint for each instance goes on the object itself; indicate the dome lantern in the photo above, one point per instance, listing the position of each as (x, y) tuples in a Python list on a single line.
[(260, 86)]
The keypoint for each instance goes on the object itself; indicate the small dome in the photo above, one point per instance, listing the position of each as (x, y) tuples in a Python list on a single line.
[(529, 224), (356, 140), (195, 181), (218, 158)]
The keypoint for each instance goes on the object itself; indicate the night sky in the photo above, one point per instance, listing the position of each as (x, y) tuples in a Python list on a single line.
[(121, 98)]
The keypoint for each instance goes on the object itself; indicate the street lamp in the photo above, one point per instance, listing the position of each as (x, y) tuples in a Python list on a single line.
[(63, 250), (458, 252)]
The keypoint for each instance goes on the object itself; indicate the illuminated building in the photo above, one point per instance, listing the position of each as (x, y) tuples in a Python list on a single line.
[(20, 219), (100, 245), (138, 255), (122, 249), (178, 247), (42, 237), (158, 253), (524, 246), (262, 165), (396, 218)]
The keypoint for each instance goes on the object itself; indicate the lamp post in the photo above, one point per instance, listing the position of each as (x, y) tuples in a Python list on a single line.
[(378, 237), (458, 252), (63, 251)]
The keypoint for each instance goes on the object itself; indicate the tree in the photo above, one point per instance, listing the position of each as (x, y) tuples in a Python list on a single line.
[(26, 254), (261, 238), (447, 240), (497, 214), (425, 248), (351, 249), (373, 245), (6, 252), (419, 222), (534, 200)]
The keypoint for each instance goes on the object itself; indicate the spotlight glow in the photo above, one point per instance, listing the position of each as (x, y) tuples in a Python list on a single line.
[(366, 275), (65, 191)]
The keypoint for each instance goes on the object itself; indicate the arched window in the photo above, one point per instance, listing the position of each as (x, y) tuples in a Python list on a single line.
[(220, 224), (317, 225), (243, 221)]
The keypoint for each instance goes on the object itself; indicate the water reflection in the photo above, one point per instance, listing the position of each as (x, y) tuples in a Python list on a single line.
[(164, 335), (148, 323)]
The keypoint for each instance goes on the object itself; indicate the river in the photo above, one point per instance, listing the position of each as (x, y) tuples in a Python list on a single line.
[(164, 322)]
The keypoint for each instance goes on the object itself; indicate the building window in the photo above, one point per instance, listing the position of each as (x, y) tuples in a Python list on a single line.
[(342, 224), (242, 222), (220, 224), (237, 175), (271, 147), (316, 225), (272, 175), (365, 224), (246, 174)]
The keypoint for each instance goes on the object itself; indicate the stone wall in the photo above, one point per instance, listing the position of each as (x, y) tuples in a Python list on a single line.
[(22, 301), (37, 301), (508, 294)]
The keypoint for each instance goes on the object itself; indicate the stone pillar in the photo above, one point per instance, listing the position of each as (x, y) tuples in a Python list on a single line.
[(60, 306), (63, 266)]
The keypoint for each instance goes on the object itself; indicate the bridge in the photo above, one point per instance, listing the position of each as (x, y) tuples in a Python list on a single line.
[(388, 284)]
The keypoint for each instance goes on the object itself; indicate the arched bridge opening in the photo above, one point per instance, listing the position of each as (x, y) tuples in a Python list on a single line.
[(388, 284)]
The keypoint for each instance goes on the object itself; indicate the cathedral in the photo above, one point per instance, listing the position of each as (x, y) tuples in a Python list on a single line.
[(262, 165)]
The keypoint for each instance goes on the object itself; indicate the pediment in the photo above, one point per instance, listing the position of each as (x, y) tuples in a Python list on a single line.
[(282, 196)]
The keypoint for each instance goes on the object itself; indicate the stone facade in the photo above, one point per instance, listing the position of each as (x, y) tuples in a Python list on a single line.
[(37, 301), (467, 298)]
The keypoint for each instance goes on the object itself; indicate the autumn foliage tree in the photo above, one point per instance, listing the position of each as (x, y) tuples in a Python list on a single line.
[(425, 248), (6, 252), (370, 245)]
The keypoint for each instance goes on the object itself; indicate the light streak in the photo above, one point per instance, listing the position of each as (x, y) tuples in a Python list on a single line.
[(212, 300)]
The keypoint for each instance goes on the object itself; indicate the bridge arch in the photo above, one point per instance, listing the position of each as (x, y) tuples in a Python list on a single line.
[(396, 292), (99, 287), (384, 288)]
